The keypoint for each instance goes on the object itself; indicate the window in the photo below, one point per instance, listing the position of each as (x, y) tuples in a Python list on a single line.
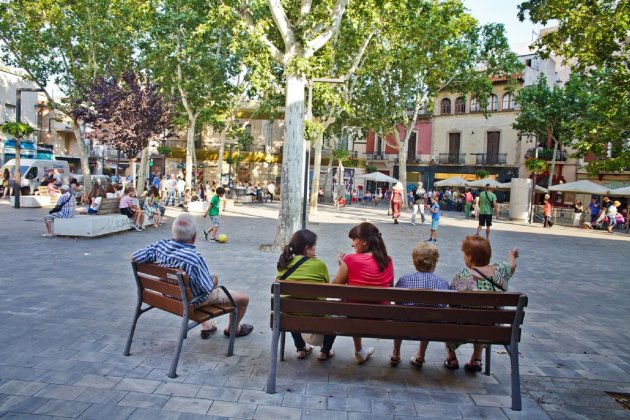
[(493, 103), (9, 113), (474, 105), (508, 102), (492, 147), (454, 141), (446, 106), (460, 105)]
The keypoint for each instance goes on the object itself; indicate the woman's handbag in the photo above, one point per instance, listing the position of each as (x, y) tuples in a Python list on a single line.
[(313, 339)]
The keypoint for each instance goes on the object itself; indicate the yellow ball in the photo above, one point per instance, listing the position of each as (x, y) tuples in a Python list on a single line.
[(222, 238)]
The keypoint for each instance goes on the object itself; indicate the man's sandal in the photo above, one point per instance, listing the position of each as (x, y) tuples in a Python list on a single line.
[(451, 364), (303, 352), (472, 366), (394, 360), (205, 334)]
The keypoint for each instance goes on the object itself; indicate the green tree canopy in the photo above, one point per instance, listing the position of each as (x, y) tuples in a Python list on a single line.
[(592, 37)]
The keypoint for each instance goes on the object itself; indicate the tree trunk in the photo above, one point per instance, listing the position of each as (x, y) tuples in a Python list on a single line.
[(84, 154), (327, 180), (142, 173), (553, 163), (221, 153), (190, 149), (402, 146), (317, 164), (293, 161), (132, 165)]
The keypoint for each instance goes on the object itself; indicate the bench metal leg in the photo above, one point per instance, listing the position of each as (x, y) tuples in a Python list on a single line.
[(515, 376), (233, 331), (182, 334), (133, 328), (283, 337), (488, 358), (275, 337)]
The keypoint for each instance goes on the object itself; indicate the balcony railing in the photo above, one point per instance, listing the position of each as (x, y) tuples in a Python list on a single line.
[(375, 156), (452, 158), (490, 159), (546, 154)]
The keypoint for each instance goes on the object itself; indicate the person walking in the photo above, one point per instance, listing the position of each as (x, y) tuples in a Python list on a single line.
[(487, 206), (435, 219), (418, 204), (396, 201), (547, 212), (468, 201), (171, 188)]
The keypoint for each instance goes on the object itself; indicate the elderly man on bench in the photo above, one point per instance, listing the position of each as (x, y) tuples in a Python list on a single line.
[(180, 252), (65, 208)]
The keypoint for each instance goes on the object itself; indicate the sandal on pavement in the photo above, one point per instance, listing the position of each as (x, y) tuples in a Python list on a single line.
[(246, 329), (417, 361), (394, 360), (473, 366), (303, 352), (205, 334), (325, 356), (451, 363)]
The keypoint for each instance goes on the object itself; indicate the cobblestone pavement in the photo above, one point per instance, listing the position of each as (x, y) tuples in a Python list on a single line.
[(66, 306)]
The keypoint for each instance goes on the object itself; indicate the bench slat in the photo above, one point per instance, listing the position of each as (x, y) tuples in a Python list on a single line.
[(486, 316), (159, 272), (396, 329), (215, 310), (175, 307), (159, 286), (378, 294)]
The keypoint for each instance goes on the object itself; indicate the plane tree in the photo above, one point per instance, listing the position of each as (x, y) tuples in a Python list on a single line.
[(424, 47), (70, 44)]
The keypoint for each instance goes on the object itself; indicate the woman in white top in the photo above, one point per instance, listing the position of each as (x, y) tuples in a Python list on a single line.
[(95, 205), (110, 191)]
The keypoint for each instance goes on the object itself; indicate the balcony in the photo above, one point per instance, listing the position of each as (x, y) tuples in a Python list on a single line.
[(490, 159), (375, 156), (546, 154), (452, 158)]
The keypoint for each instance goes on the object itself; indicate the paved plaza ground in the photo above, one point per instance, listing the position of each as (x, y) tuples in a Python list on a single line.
[(66, 305)]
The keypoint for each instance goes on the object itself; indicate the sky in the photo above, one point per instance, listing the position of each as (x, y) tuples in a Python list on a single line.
[(503, 11)]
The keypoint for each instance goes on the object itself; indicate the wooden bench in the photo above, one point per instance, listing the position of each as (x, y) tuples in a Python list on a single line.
[(464, 317), (168, 289)]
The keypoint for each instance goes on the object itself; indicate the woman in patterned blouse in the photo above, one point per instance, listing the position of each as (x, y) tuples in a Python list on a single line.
[(479, 274)]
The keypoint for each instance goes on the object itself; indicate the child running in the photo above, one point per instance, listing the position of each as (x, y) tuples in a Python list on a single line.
[(425, 257), (435, 219), (213, 212)]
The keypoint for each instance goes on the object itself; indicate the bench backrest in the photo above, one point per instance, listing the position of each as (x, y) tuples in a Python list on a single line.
[(109, 206), (168, 289), (42, 190), (463, 316)]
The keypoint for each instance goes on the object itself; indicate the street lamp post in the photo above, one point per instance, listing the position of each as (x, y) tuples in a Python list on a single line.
[(18, 119)]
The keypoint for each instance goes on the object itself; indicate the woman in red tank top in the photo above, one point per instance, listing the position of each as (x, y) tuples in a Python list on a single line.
[(368, 266)]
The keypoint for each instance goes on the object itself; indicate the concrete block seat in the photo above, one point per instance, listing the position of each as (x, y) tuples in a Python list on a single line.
[(35, 201), (107, 220)]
